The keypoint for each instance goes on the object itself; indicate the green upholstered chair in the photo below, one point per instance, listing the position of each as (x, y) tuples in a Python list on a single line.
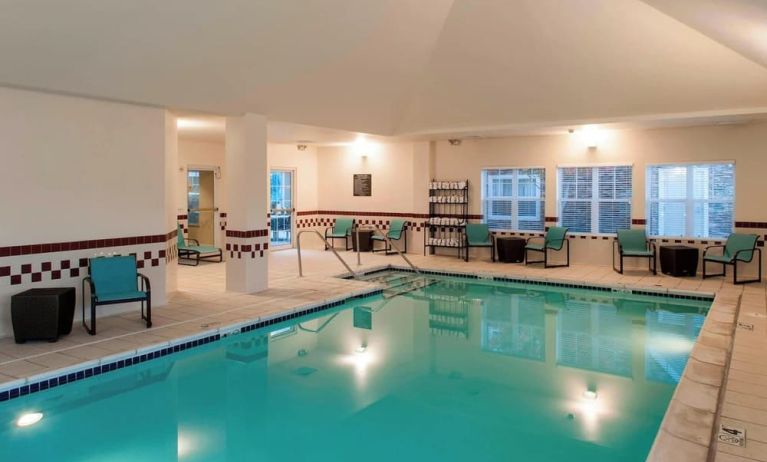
[(478, 235), (196, 252), (115, 280), (634, 243), (341, 229), (396, 232), (554, 240), (738, 248)]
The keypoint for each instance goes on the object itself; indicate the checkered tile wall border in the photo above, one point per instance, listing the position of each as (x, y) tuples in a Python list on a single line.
[(247, 244), (52, 270)]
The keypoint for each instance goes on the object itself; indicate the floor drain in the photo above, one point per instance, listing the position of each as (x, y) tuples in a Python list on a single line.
[(745, 325), (209, 324), (732, 434)]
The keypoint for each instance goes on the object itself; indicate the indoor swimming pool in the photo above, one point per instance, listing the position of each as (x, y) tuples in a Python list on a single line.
[(433, 368)]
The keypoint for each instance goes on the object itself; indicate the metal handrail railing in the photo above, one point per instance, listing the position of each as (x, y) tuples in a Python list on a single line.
[(298, 248)]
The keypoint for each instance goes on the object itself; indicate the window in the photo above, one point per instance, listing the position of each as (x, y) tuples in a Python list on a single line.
[(193, 197), (595, 199), (691, 200), (513, 198)]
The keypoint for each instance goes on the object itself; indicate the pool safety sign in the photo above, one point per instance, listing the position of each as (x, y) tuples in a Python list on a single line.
[(731, 434)]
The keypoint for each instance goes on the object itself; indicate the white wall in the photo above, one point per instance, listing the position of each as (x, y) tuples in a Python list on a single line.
[(391, 166), (93, 169)]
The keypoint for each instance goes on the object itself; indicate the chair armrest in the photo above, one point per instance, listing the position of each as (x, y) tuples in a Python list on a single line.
[(652, 245), (90, 286), (146, 281), (534, 237), (705, 251), (735, 257)]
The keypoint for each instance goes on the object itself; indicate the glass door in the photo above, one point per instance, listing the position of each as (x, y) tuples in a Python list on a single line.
[(200, 206), (281, 208)]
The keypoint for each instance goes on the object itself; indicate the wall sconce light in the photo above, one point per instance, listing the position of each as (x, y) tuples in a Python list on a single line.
[(454, 142), (591, 136), (301, 147), (590, 394), (361, 148)]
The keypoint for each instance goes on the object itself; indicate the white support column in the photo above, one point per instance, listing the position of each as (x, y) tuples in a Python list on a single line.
[(247, 235), (171, 175)]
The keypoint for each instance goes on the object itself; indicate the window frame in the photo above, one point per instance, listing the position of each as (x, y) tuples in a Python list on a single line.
[(689, 201), (595, 200), (514, 217)]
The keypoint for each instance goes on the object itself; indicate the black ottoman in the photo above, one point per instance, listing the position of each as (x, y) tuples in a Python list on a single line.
[(678, 260), (42, 314), (510, 249)]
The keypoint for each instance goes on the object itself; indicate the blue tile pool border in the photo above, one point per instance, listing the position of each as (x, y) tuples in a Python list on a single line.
[(73, 374)]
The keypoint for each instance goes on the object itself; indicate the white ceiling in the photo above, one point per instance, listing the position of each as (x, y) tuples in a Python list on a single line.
[(422, 68)]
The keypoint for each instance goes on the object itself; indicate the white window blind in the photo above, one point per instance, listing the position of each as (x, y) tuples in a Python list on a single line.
[(513, 198), (595, 199), (691, 200)]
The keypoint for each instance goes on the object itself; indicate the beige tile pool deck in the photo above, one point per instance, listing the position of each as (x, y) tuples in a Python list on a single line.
[(725, 379)]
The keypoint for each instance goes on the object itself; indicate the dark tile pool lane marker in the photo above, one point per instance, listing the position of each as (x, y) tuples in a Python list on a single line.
[(74, 376), (568, 285)]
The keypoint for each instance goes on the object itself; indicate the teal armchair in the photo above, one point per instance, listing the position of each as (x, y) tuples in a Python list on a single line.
[(195, 252), (114, 280), (478, 235), (738, 248), (634, 243), (397, 231), (554, 240), (341, 229)]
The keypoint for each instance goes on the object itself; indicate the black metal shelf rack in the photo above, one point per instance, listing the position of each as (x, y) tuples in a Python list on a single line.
[(448, 215)]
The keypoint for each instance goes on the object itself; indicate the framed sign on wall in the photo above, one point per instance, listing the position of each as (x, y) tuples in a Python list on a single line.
[(363, 184)]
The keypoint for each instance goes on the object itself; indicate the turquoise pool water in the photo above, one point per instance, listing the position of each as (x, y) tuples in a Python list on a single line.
[(459, 370)]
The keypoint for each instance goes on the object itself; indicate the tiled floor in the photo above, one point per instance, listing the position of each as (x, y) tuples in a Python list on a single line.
[(201, 303)]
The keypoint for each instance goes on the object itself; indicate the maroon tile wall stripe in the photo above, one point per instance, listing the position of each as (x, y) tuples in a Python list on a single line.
[(182, 217), (247, 234), (12, 251), (638, 221), (751, 224)]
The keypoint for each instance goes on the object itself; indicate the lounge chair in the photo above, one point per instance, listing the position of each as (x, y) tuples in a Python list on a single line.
[(196, 252), (634, 243), (341, 229), (396, 232), (555, 239), (739, 247), (478, 235), (115, 280)]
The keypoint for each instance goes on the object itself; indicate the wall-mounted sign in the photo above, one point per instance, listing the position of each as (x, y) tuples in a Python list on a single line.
[(363, 184)]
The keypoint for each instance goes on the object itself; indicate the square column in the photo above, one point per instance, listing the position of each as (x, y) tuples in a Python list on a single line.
[(247, 234)]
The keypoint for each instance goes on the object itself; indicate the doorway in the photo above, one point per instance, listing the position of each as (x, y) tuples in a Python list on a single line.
[(201, 207), (281, 194)]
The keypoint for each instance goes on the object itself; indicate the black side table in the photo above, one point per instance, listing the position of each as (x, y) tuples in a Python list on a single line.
[(365, 239), (510, 249), (43, 314), (678, 260)]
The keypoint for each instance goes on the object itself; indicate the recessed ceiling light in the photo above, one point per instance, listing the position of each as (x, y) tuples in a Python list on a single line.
[(590, 394), (29, 418)]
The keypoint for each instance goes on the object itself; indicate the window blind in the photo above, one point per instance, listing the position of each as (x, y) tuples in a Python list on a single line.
[(691, 200), (595, 199), (514, 198)]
